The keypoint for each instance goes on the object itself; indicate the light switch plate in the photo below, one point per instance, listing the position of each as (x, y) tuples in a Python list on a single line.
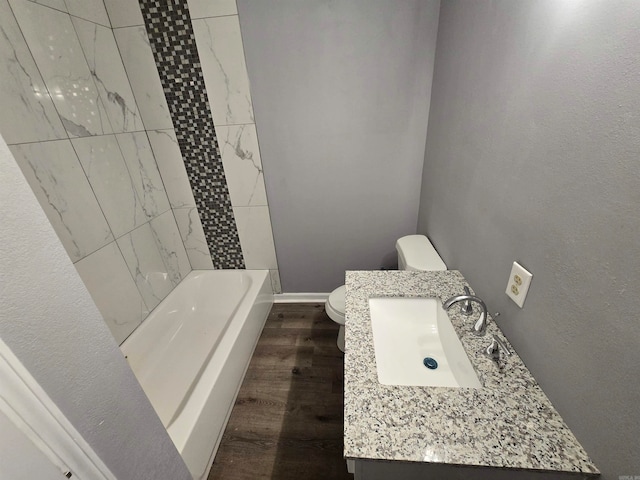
[(518, 284)]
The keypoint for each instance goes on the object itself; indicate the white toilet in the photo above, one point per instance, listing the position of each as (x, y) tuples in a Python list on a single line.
[(415, 252)]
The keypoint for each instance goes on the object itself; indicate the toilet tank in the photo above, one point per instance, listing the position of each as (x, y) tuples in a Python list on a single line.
[(415, 252)]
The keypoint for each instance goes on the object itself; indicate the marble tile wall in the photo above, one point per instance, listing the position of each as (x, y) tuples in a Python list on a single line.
[(219, 41), (90, 127), (219, 62), (138, 59), (170, 33), (86, 119)]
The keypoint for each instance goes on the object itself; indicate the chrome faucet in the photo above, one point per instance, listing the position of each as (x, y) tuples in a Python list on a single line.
[(466, 308), (480, 327)]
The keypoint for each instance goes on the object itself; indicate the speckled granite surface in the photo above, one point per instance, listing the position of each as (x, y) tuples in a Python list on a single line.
[(509, 423)]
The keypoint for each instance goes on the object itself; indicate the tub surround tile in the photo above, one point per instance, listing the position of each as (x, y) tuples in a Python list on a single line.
[(139, 63), (174, 175), (143, 169), (508, 423), (212, 8), (101, 189), (225, 73), (110, 180), (113, 290), (256, 237), (169, 243), (124, 13), (174, 47), (144, 260), (92, 10), (193, 238), (222, 235), (58, 181), (55, 47), (242, 166), (102, 55), (22, 90), (275, 281)]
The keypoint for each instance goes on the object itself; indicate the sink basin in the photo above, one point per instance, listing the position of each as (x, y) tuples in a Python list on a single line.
[(408, 334)]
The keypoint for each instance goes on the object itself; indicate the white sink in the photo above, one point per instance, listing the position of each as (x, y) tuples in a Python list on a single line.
[(408, 330)]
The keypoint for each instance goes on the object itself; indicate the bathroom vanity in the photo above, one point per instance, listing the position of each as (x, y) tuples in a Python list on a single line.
[(506, 429)]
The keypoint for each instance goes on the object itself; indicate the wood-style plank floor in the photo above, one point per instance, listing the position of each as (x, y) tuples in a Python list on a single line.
[(287, 422)]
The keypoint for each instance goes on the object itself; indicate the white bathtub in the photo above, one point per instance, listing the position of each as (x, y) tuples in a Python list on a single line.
[(190, 355)]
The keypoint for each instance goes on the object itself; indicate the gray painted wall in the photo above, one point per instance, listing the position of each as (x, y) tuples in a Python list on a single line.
[(532, 155), (341, 98), (51, 324)]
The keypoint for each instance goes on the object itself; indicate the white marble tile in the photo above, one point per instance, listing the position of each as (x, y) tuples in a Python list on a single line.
[(193, 238), (57, 4), (92, 10), (100, 50), (124, 13), (275, 281), (106, 276), (225, 73), (144, 260), (22, 91), (144, 173), (143, 74), (171, 165), (57, 52), (169, 243), (256, 238), (108, 175), (58, 181), (212, 8), (242, 166)]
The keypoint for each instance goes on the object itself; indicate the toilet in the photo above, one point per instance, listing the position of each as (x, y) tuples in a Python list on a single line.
[(415, 252)]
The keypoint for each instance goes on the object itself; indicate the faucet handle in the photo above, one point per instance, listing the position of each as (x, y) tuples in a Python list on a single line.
[(502, 345), (466, 308), (493, 350)]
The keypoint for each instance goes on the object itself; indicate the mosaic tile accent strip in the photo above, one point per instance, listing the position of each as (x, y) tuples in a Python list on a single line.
[(173, 43)]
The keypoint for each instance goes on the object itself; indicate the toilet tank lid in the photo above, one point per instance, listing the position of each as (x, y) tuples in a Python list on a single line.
[(418, 253)]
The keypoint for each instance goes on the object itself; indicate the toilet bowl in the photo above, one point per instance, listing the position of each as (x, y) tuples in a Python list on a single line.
[(415, 252), (334, 306)]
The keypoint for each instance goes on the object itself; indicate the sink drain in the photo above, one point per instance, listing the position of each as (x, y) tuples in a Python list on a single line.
[(430, 363)]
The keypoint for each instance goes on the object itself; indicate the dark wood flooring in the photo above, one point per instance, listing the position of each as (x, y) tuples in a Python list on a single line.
[(287, 422)]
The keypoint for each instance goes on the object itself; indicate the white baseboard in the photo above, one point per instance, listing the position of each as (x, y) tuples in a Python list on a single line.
[(300, 297)]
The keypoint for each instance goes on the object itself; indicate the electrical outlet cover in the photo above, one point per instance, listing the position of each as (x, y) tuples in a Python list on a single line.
[(518, 284)]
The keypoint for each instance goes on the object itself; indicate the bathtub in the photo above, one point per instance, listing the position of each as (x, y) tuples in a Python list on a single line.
[(191, 353)]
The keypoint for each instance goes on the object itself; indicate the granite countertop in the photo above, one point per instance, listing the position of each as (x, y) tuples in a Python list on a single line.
[(508, 423)]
